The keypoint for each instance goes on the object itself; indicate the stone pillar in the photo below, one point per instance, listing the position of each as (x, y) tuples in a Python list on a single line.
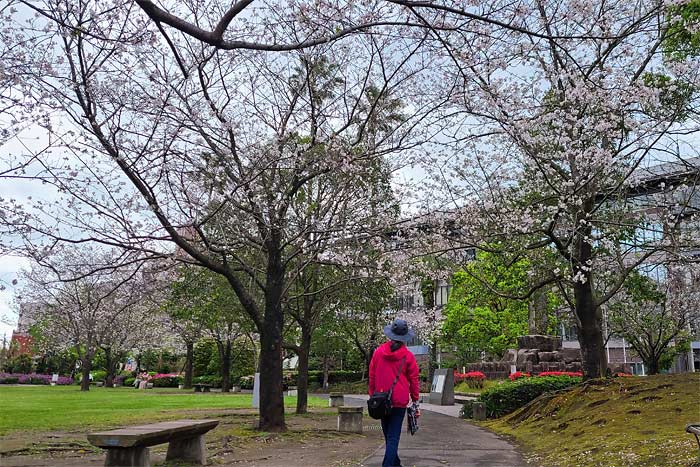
[(350, 419), (192, 450), (336, 399), (478, 411), (137, 457)]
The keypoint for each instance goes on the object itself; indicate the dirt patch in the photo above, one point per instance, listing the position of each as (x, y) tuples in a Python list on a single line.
[(311, 440)]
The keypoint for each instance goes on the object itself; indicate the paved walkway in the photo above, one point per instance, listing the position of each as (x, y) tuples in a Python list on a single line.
[(445, 440)]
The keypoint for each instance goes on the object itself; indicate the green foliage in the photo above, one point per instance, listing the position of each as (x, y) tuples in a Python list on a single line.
[(129, 381), (213, 380), (99, 375), (477, 319), (683, 37), (20, 364), (167, 381), (510, 396), (62, 362)]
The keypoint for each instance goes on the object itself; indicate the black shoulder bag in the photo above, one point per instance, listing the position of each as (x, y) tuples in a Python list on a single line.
[(379, 403)]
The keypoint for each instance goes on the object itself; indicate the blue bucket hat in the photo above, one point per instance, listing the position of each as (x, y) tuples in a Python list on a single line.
[(399, 331)]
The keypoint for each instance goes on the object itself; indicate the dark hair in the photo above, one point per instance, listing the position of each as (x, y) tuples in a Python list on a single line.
[(396, 345)]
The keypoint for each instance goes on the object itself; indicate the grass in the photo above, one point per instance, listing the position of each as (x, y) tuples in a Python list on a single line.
[(621, 422), (45, 408)]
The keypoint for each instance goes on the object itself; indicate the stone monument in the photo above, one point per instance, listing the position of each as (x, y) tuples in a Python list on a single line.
[(442, 391)]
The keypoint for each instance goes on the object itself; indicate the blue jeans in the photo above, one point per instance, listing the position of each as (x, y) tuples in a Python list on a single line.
[(391, 427)]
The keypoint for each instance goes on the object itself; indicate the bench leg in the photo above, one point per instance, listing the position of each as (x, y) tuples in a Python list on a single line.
[(132, 457), (188, 449)]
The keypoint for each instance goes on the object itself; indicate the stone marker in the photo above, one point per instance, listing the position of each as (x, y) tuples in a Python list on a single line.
[(336, 399), (256, 391), (442, 391), (478, 411), (350, 419)]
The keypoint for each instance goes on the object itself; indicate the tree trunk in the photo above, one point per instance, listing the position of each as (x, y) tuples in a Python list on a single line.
[(226, 367), (303, 372), (189, 359), (111, 366), (271, 397), (653, 365), (590, 332), (85, 370), (537, 312)]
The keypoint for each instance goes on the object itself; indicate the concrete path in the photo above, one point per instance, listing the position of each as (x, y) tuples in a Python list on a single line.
[(445, 440)]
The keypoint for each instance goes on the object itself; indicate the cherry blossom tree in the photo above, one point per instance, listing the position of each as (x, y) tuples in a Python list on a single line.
[(74, 306), (212, 161), (552, 132)]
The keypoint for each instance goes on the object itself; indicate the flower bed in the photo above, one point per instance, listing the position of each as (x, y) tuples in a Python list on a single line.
[(474, 379), (32, 378)]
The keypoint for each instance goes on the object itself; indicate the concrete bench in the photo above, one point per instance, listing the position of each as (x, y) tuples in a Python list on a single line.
[(129, 446), (202, 387), (694, 428)]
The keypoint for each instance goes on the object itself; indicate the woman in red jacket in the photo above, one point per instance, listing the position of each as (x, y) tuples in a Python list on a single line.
[(389, 360)]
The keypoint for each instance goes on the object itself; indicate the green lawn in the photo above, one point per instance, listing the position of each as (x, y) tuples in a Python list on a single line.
[(45, 408)]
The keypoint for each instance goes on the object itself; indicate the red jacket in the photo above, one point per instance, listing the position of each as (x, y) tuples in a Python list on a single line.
[(383, 368)]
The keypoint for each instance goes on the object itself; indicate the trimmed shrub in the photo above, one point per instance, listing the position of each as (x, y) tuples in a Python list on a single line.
[(129, 381), (213, 380), (166, 381), (510, 396)]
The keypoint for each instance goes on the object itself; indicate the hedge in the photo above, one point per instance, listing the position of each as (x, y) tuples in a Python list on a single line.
[(166, 381), (18, 378), (510, 396)]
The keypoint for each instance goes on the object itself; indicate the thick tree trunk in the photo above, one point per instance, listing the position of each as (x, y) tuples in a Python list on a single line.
[(271, 390), (189, 359), (303, 372), (590, 332), (85, 370), (652, 366), (588, 313)]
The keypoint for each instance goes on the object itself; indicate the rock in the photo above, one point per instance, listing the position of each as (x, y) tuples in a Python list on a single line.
[(544, 343), (527, 355), (511, 356), (548, 356), (570, 355)]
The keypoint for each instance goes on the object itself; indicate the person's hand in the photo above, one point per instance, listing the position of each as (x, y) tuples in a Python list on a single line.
[(417, 413)]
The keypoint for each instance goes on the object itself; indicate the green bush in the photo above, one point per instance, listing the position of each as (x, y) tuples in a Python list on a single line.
[(213, 380), (99, 375), (510, 396), (167, 381), (129, 381), (9, 380)]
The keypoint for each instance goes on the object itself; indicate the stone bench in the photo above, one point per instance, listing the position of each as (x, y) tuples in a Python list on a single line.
[(694, 428), (336, 399), (202, 387), (129, 446), (350, 419)]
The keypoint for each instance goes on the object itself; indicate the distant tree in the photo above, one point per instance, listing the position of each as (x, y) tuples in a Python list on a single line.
[(479, 319), (654, 316)]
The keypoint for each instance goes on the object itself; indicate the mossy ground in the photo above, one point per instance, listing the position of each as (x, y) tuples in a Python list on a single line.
[(620, 422)]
